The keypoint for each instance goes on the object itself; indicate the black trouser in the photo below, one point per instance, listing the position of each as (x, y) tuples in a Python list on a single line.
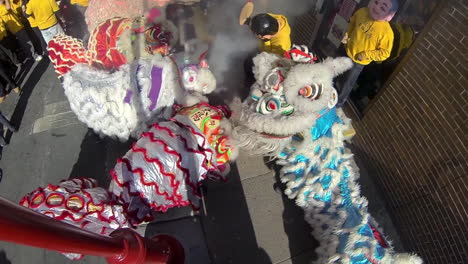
[(35, 39), (7, 54), (42, 45), (25, 43), (6, 79), (10, 49)]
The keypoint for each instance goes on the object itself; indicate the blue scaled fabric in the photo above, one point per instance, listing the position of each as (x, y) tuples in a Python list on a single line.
[(319, 175)]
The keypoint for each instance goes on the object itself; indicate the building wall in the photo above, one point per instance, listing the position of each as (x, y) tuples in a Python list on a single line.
[(304, 28), (415, 135)]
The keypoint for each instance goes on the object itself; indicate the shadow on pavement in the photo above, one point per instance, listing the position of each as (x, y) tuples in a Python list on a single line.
[(3, 258), (302, 245), (25, 69), (26, 92), (228, 226), (97, 157)]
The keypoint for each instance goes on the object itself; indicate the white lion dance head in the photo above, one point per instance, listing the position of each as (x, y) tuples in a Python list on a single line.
[(286, 99)]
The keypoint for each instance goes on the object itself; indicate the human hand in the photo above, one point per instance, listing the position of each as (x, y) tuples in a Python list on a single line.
[(345, 38), (360, 56)]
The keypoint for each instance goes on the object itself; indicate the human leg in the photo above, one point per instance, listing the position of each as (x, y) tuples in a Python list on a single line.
[(35, 42), (25, 43), (4, 74), (42, 45), (6, 54), (349, 83)]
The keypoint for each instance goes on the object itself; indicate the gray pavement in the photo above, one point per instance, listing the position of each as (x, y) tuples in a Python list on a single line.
[(246, 220), (33, 158)]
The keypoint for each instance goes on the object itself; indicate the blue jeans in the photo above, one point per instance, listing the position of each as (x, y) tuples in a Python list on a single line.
[(49, 33), (349, 82)]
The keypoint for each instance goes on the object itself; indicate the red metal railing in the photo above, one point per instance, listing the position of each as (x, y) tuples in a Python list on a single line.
[(23, 226)]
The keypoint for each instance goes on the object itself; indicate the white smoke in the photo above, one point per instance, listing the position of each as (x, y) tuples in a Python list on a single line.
[(233, 43)]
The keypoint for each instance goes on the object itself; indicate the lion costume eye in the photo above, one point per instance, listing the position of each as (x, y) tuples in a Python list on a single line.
[(273, 80), (189, 77), (268, 104), (271, 103), (312, 92)]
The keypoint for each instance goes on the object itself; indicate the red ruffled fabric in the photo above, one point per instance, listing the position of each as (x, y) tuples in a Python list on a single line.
[(65, 52)]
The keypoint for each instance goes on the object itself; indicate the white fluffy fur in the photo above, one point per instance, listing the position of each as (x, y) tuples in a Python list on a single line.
[(206, 81), (256, 144), (403, 258), (264, 63), (275, 124), (305, 188), (170, 88), (338, 65), (97, 97), (319, 73), (306, 110), (205, 84)]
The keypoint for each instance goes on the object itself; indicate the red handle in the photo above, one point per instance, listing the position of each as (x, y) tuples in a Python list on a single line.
[(23, 226)]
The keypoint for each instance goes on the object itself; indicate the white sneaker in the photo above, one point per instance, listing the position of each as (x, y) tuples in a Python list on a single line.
[(38, 58)]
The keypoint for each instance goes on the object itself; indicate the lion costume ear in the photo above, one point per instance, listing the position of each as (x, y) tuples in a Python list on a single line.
[(202, 61), (263, 64), (204, 64), (338, 65)]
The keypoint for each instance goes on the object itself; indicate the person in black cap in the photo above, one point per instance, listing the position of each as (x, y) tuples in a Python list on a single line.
[(273, 31)]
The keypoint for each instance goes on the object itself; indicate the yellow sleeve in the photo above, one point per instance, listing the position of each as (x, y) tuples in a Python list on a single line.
[(54, 5), (384, 47), (3, 10), (28, 9)]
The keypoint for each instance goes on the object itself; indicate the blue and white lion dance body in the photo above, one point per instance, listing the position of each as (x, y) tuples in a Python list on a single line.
[(291, 116)]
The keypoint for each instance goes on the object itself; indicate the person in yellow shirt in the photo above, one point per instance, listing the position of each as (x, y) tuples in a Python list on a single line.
[(46, 14), (5, 61), (273, 31), (369, 38), (6, 54), (16, 27), (16, 7), (274, 34), (83, 3)]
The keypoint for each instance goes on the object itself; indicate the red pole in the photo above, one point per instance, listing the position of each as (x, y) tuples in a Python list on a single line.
[(23, 226)]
